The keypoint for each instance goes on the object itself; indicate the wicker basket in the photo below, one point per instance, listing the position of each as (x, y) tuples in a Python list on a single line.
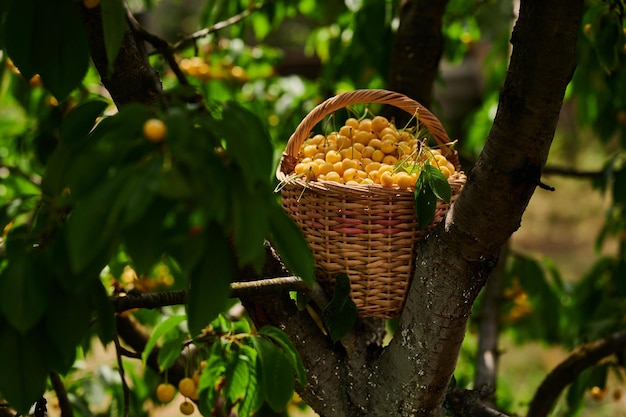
[(368, 232)]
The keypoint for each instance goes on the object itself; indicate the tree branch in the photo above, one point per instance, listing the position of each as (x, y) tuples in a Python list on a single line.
[(416, 52), (160, 45), (59, 389), (191, 39), (571, 172), (262, 286), (324, 362), (132, 80), (585, 356), (135, 336), (122, 372), (470, 403), (458, 256)]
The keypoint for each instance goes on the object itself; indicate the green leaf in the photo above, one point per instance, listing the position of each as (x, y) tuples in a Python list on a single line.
[(255, 395), (247, 142), (241, 326), (141, 190), (261, 26), (544, 299), (19, 34), (619, 187), (250, 226), (209, 282), (80, 120), (438, 183), (276, 373), (113, 26), (24, 285), (607, 43), (210, 377), (237, 377), (148, 229), (47, 37), (24, 374), (425, 202), (159, 331), (67, 323), (291, 245), (173, 185), (170, 351), (92, 224), (576, 395), (105, 313), (281, 338), (341, 312)]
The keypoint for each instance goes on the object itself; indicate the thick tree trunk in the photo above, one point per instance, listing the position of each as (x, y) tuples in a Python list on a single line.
[(133, 80), (416, 52), (411, 375), (455, 261)]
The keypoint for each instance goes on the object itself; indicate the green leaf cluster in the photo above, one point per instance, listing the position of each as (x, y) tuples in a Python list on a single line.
[(203, 199), (47, 38), (243, 368), (341, 313), (430, 186)]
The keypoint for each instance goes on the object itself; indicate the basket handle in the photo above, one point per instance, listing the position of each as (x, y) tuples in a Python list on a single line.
[(340, 101)]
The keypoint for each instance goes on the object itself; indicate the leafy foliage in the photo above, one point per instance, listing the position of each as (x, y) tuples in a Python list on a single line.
[(341, 312)]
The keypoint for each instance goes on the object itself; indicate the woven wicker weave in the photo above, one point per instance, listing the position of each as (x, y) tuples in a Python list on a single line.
[(368, 232)]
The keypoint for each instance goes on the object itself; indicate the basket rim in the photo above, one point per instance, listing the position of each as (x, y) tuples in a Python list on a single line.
[(426, 117), (456, 180)]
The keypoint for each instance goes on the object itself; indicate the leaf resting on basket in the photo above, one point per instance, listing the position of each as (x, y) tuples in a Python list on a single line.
[(291, 245), (341, 313), (430, 185)]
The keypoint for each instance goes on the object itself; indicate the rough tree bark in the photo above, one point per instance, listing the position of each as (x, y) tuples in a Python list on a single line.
[(133, 80), (416, 52), (409, 377), (456, 259)]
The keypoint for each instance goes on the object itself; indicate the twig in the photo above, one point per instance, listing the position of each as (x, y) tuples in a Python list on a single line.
[(33, 179), (161, 45), (570, 172), (583, 357), (134, 335), (128, 353), (120, 365), (238, 289), (191, 39), (469, 403), (61, 392), (41, 409)]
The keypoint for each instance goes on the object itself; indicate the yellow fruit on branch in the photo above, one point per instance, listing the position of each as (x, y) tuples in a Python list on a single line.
[(187, 408), (598, 393), (188, 388), (165, 392), (154, 130)]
